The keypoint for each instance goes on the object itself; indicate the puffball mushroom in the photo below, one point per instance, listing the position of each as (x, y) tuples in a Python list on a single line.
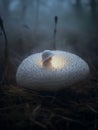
[(51, 70)]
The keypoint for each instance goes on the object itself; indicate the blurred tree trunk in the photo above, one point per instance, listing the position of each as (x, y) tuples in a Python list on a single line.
[(6, 8), (37, 16), (24, 6), (94, 16), (93, 9), (7, 65), (6, 56), (78, 7), (78, 2)]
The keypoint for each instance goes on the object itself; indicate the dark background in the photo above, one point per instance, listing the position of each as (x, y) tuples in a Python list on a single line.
[(27, 27)]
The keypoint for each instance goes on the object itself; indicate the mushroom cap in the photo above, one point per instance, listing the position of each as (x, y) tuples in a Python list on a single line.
[(46, 55), (67, 69)]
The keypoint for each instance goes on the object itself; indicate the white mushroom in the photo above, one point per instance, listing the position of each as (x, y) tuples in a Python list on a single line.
[(47, 58), (51, 70)]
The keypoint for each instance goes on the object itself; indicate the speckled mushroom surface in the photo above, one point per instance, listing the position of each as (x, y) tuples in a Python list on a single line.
[(64, 70)]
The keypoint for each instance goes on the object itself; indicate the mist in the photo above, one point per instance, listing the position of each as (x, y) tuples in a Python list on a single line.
[(29, 26)]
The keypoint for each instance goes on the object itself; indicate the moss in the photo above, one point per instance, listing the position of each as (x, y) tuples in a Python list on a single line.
[(73, 108)]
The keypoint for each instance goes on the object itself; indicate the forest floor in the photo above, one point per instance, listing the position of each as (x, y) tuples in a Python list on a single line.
[(70, 109)]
